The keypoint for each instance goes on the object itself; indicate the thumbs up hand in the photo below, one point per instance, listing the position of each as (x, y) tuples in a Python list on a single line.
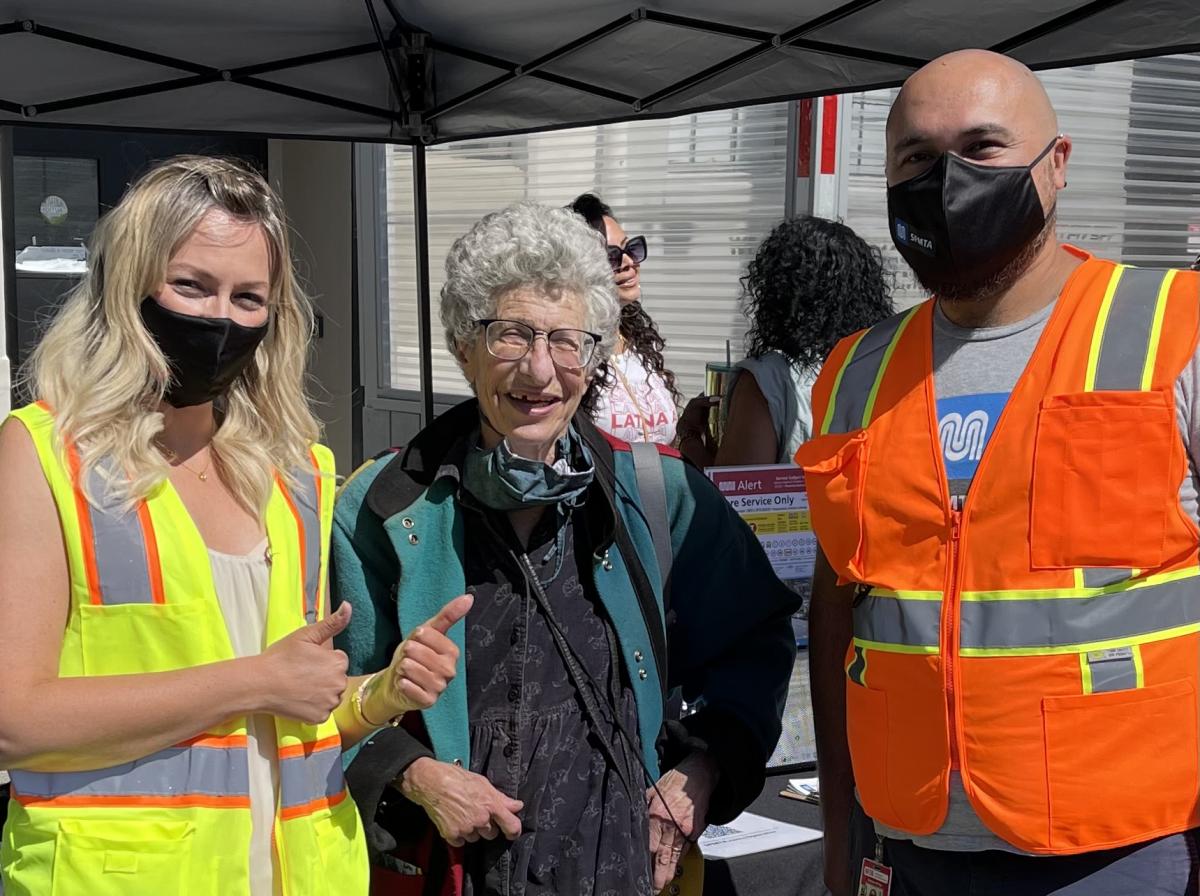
[(303, 678), (421, 667)]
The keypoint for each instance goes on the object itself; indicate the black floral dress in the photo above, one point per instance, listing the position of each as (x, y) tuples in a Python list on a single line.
[(584, 825)]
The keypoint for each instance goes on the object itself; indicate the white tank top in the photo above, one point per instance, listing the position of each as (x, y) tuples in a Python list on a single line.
[(242, 585), (638, 407)]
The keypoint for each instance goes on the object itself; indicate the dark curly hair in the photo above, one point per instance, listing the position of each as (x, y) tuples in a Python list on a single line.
[(812, 282), (637, 327)]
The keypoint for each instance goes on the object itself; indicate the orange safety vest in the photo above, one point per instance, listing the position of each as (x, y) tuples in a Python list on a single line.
[(1044, 640)]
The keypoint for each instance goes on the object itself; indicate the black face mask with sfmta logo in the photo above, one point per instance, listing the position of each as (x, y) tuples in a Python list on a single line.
[(963, 222), (206, 354)]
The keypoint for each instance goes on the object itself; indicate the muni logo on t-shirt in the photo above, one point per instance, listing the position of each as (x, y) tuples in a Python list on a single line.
[(965, 423)]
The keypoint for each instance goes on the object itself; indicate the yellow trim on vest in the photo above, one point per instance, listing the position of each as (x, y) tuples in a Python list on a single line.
[(883, 365), (837, 383), (1160, 311), (1138, 668), (929, 650), (907, 595), (861, 681), (1089, 383), (1177, 575), (1149, 638), (1085, 672)]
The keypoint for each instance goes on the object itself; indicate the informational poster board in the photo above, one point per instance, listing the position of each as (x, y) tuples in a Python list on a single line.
[(773, 501)]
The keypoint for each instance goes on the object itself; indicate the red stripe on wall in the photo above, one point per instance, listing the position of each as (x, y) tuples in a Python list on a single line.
[(829, 120)]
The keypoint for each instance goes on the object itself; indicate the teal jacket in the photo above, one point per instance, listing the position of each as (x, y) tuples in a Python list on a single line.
[(398, 547)]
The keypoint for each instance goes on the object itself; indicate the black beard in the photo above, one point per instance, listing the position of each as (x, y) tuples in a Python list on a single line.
[(978, 290)]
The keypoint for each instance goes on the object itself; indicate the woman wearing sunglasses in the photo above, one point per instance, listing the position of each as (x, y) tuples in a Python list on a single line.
[(639, 403)]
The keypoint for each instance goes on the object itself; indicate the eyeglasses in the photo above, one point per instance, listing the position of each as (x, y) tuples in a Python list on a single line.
[(511, 340), (635, 248)]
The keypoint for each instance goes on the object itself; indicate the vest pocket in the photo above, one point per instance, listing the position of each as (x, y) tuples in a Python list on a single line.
[(867, 730), (1105, 480), (835, 468), (341, 861), (121, 639), (1121, 766), (123, 858)]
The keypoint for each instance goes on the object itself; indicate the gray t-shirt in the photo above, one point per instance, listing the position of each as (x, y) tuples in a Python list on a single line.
[(975, 370), (787, 388)]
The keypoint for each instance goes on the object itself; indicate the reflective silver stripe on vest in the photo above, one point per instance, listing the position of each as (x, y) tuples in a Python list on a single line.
[(174, 772), (120, 548), (1065, 621), (857, 671), (892, 620), (860, 373), (303, 779), (1126, 341), (304, 495), (1099, 577), (1112, 670)]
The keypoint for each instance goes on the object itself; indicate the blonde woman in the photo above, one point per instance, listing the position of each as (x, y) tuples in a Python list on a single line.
[(172, 710)]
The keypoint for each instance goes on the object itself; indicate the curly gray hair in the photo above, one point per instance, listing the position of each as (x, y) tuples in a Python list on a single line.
[(528, 244)]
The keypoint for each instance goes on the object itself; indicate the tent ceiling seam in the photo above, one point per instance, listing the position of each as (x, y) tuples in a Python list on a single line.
[(1066, 20), (520, 70), (201, 74), (550, 77)]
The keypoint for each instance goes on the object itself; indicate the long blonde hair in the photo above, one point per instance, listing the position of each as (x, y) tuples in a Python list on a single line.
[(104, 376)]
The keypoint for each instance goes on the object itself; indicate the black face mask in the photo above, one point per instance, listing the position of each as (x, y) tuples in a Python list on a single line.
[(962, 223), (206, 354)]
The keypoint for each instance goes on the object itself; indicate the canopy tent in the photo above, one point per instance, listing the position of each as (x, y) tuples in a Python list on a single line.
[(430, 71), (440, 70)]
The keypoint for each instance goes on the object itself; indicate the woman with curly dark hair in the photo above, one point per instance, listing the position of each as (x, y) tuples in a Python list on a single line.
[(812, 282), (637, 401)]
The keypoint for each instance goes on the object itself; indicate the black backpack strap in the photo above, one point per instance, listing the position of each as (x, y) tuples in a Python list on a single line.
[(647, 463)]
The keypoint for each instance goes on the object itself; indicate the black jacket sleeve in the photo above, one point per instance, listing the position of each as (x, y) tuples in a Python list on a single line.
[(730, 641)]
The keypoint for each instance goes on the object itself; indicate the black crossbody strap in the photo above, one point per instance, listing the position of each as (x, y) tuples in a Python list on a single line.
[(647, 464)]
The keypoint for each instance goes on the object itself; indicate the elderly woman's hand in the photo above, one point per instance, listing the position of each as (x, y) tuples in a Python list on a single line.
[(685, 791), (421, 667), (464, 806)]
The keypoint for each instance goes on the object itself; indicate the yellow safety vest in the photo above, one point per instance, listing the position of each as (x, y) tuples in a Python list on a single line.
[(178, 821)]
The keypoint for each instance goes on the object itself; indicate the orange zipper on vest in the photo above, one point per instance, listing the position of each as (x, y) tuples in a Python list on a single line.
[(950, 633)]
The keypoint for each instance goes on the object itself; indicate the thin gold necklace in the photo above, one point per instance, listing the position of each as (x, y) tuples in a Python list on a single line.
[(202, 475)]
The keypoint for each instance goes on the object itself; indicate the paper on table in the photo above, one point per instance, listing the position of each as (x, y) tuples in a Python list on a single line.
[(805, 785), (748, 834), (807, 789)]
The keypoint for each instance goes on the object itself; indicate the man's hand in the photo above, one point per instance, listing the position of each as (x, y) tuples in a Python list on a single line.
[(464, 806), (685, 791)]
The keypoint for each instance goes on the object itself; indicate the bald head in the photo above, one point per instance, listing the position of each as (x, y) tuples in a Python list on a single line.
[(980, 105)]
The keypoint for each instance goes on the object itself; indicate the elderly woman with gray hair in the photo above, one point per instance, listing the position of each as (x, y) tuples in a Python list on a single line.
[(550, 764)]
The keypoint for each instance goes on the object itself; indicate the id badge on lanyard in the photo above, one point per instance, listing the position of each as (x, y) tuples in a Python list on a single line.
[(875, 878)]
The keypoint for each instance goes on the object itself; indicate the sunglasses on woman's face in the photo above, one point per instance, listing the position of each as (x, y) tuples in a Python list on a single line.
[(635, 248)]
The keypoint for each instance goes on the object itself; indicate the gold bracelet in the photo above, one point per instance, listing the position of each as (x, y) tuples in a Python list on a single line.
[(356, 703)]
